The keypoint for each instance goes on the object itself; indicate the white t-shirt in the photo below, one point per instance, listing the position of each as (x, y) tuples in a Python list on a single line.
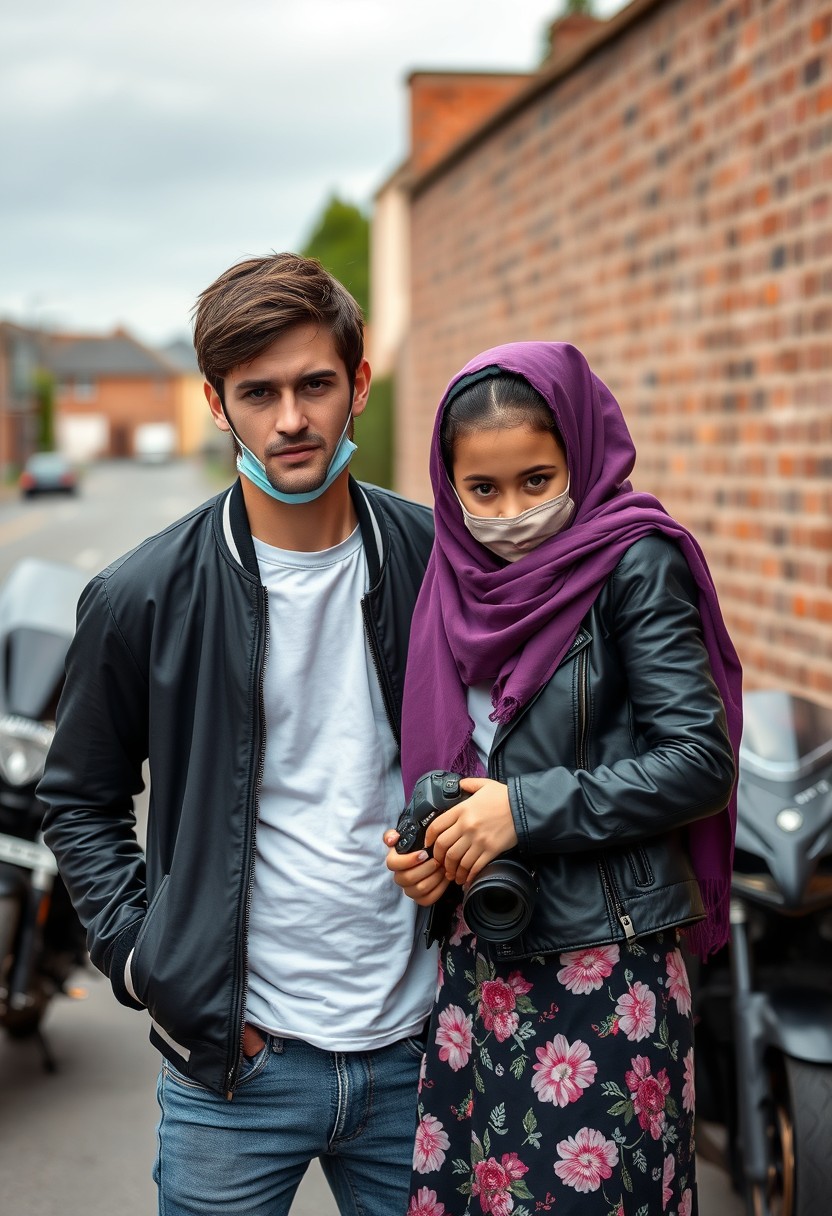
[(334, 954), (479, 707)]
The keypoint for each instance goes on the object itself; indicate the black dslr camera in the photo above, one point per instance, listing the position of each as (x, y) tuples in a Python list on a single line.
[(498, 904)]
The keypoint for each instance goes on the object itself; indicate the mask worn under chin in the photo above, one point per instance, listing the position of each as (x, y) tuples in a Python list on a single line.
[(510, 537), (252, 468)]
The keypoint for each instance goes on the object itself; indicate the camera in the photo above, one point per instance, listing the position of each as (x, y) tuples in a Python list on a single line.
[(498, 904), (433, 793)]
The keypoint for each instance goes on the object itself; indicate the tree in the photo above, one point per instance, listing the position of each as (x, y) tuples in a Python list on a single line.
[(340, 241), (43, 385)]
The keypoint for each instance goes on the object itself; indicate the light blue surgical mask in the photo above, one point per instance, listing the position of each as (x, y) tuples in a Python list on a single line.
[(252, 468)]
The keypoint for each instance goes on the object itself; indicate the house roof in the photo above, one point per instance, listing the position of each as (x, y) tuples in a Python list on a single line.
[(116, 354), (180, 352)]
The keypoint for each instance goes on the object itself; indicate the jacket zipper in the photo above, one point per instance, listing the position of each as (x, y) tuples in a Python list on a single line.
[(374, 655), (233, 1071), (582, 757), (614, 901)]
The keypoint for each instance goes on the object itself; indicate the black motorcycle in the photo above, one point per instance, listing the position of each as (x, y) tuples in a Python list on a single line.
[(41, 940), (764, 1032)]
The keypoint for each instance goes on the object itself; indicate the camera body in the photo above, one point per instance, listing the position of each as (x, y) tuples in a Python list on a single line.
[(433, 793), (498, 904)]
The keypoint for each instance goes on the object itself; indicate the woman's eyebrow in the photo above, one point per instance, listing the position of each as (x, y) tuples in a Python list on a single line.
[(537, 468)]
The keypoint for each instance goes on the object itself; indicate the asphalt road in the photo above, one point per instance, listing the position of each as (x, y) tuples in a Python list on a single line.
[(81, 1142)]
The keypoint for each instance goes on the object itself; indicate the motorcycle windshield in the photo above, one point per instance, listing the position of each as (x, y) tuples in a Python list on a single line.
[(784, 736), (37, 621)]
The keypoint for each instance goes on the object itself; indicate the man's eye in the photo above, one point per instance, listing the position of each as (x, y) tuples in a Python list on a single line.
[(257, 394)]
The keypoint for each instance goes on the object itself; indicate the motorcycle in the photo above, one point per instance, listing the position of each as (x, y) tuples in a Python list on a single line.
[(764, 1029), (41, 939)]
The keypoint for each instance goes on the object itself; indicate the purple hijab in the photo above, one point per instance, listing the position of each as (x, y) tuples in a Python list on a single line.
[(478, 618)]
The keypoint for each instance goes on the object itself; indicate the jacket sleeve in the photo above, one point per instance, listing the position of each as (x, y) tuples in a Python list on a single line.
[(681, 767), (93, 772)]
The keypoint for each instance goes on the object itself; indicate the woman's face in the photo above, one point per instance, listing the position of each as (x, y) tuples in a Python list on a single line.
[(506, 470)]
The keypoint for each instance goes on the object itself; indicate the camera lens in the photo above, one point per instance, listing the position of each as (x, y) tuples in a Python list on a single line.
[(498, 904)]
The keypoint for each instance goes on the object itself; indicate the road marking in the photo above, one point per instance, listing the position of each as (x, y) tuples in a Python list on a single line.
[(16, 529)]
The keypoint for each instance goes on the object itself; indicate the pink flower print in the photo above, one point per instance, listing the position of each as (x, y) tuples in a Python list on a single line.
[(497, 1004), (689, 1085), (686, 1203), (586, 1159), (648, 1094), (667, 1177), (492, 1183), (453, 1036), (563, 1070), (678, 984), (513, 1166), (636, 1011), (425, 1203), (520, 986), (431, 1142), (585, 970), (459, 928)]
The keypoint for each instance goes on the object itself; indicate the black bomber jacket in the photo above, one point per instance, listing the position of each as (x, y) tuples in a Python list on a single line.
[(166, 666), (622, 749)]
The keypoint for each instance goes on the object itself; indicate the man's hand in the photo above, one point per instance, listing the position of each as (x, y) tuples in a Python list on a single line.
[(418, 875), (465, 838)]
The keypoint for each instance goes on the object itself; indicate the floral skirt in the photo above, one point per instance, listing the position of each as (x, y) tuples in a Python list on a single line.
[(560, 1084)]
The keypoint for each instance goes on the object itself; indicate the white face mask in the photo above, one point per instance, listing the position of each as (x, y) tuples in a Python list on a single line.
[(511, 537)]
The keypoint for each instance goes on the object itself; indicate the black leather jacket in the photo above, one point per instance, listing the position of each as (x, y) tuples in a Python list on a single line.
[(166, 665), (606, 766)]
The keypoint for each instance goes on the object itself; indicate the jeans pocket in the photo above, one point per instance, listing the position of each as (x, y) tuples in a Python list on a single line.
[(173, 1074), (252, 1066), (415, 1046)]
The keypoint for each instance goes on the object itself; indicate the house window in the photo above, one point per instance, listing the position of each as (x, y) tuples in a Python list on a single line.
[(85, 390)]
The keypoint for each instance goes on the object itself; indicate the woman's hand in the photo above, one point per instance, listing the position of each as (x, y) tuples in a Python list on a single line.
[(418, 875), (470, 835)]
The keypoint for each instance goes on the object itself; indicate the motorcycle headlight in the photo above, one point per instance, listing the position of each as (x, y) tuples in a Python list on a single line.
[(23, 748)]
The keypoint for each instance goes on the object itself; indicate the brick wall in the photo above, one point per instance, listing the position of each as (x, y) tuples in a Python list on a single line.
[(666, 205)]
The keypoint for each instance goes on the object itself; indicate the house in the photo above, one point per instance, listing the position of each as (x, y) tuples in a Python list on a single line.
[(106, 388)]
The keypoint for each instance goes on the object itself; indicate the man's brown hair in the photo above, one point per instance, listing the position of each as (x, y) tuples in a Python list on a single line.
[(255, 301)]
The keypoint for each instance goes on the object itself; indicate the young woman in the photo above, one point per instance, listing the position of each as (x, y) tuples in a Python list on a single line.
[(569, 659)]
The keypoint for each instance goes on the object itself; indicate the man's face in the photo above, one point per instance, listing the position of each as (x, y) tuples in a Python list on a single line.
[(290, 405)]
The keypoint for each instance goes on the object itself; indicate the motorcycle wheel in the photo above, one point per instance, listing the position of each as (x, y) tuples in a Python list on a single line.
[(9, 912), (18, 1023), (800, 1174)]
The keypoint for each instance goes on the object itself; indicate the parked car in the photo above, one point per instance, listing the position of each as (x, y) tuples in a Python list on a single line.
[(48, 473)]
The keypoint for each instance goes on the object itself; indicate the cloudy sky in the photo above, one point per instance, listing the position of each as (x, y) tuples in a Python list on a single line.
[(144, 148)]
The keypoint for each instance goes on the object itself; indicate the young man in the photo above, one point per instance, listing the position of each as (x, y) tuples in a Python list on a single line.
[(254, 653)]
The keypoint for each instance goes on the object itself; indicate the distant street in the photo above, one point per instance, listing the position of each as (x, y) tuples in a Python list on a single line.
[(81, 1142)]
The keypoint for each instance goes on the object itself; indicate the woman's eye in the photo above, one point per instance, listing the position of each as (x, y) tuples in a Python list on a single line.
[(483, 490), (537, 481)]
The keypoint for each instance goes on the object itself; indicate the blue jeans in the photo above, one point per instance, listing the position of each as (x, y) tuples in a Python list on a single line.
[(355, 1111)]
